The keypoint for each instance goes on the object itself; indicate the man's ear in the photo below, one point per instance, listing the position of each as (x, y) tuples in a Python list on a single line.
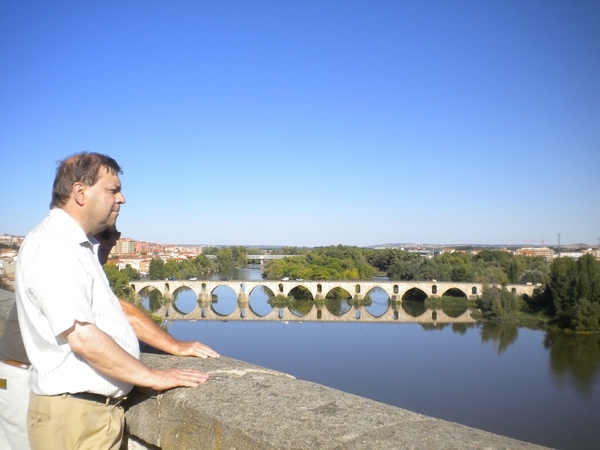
[(79, 193)]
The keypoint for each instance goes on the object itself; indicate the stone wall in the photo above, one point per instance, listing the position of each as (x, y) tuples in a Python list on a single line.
[(244, 406)]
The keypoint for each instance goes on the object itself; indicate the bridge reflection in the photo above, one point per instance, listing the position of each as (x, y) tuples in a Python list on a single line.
[(318, 313), (224, 304)]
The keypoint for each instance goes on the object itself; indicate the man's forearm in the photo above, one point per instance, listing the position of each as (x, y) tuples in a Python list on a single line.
[(150, 333), (101, 352), (146, 330)]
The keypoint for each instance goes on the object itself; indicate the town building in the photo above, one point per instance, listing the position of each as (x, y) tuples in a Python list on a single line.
[(544, 252)]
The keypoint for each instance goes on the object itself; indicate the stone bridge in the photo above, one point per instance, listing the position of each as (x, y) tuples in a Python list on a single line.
[(319, 290)]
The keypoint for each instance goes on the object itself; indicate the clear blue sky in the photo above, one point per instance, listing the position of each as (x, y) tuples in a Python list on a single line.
[(311, 122)]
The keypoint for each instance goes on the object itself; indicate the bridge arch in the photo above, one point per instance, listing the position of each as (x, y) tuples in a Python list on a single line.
[(301, 292), (415, 294), (454, 292), (380, 302), (261, 286), (338, 293), (151, 298), (224, 300), (258, 300), (185, 300)]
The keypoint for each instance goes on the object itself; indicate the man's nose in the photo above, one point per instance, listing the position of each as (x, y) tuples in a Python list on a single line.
[(120, 198)]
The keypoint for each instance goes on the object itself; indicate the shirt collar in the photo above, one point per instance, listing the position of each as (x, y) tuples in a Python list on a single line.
[(72, 229)]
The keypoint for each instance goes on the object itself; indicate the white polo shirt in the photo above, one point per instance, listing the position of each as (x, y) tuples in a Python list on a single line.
[(58, 280)]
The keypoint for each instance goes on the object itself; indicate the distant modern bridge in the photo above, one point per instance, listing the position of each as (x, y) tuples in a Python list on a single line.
[(268, 257), (261, 258), (319, 289)]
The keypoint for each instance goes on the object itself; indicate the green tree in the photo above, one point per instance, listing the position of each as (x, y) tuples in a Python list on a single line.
[(575, 290), (532, 276), (171, 269), (495, 302), (131, 273), (323, 263), (119, 282), (156, 270)]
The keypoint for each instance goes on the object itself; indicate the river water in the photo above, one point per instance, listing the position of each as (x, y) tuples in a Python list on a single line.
[(531, 385)]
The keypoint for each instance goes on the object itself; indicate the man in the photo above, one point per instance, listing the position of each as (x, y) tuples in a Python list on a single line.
[(83, 350), (15, 366)]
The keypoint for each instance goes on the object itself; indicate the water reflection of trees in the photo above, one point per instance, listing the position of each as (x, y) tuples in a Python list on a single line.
[(501, 335), (414, 308), (459, 328), (337, 307), (152, 299), (462, 328), (433, 326), (454, 306), (574, 359), (300, 307)]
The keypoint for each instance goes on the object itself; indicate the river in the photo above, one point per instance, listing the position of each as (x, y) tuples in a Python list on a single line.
[(537, 386)]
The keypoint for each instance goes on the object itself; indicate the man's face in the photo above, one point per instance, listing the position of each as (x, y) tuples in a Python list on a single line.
[(107, 239), (103, 201)]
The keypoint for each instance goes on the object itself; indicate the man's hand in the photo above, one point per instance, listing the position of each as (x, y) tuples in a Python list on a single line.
[(171, 378), (198, 349)]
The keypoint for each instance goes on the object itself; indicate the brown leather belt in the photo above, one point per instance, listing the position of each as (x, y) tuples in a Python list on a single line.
[(12, 362), (89, 396)]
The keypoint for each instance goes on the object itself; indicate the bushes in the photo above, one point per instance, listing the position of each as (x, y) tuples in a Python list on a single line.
[(575, 292), (495, 302)]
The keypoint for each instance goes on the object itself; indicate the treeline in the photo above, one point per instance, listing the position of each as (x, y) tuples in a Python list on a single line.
[(488, 266), (184, 269), (574, 292), (570, 300), (213, 259), (220, 258), (322, 263), (569, 294), (343, 262)]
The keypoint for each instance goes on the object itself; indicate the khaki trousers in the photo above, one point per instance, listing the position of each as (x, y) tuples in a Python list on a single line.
[(66, 423)]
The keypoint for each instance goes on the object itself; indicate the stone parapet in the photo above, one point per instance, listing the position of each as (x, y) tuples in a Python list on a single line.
[(244, 406)]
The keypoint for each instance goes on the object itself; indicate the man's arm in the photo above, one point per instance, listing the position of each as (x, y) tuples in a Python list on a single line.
[(102, 353), (150, 333)]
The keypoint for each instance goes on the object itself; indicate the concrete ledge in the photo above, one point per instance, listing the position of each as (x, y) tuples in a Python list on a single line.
[(244, 406)]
